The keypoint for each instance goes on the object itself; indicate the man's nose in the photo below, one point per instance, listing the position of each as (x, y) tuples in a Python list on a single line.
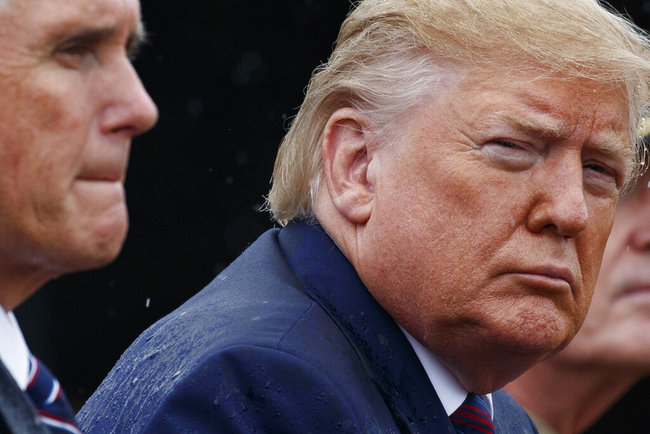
[(560, 204), (131, 110)]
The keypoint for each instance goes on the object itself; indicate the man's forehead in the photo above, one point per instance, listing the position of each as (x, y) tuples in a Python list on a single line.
[(100, 13), (553, 111), (610, 136)]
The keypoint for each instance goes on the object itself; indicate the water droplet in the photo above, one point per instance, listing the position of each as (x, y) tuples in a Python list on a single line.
[(147, 303), (153, 355)]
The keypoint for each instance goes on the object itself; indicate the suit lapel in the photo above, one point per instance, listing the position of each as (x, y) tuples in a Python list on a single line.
[(17, 414), (329, 278)]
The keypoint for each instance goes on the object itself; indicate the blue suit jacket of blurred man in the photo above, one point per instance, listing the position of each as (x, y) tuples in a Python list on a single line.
[(294, 344)]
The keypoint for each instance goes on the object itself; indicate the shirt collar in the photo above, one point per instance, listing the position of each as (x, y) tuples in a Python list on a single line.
[(13, 349), (447, 387)]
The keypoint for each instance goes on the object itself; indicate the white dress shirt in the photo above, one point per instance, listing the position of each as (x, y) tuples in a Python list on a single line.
[(447, 387), (13, 349)]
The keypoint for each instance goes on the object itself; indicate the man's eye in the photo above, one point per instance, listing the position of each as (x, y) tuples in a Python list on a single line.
[(75, 56), (509, 155), (600, 169), (506, 144), (601, 175), (597, 168)]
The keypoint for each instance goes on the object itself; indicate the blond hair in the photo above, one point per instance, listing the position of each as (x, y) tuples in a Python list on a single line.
[(390, 55)]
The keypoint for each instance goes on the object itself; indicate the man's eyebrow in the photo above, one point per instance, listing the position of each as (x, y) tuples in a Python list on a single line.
[(549, 127), (87, 35), (95, 35), (612, 146), (137, 40)]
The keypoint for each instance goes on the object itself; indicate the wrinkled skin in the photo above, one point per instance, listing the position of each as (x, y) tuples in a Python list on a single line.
[(482, 230), (616, 332), (72, 102)]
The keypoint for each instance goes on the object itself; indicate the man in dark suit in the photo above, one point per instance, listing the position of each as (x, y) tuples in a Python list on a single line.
[(71, 103), (445, 192)]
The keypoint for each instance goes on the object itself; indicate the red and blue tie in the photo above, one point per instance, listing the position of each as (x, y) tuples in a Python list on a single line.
[(473, 416), (50, 401)]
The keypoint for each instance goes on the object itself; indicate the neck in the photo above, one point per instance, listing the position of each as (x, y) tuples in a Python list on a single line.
[(17, 285), (570, 398)]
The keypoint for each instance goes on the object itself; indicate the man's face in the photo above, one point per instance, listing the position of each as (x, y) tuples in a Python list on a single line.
[(616, 331), (492, 213), (71, 103)]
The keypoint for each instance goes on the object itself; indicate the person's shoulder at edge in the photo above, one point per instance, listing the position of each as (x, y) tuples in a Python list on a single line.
[(508, 410)]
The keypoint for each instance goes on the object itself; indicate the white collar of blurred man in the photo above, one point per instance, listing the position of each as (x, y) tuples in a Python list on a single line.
[(611, 352), (71, 104), (13, 349)]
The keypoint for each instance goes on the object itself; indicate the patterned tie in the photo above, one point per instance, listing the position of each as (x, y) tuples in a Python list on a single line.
[(49, 399), (473, 416)]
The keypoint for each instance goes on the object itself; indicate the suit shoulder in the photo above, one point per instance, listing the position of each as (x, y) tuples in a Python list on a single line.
[(243, 387), (509, 416), (252, 325), (257, 288)]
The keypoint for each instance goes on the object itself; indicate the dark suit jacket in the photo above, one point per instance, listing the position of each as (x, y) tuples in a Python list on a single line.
[(17, 414), (286, 339)]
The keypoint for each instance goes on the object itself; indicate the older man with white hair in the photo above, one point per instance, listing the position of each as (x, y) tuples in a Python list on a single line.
[(71, 103)]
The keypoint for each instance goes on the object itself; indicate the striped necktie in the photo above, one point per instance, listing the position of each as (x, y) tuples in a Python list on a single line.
[(473, 416), (50, 401)]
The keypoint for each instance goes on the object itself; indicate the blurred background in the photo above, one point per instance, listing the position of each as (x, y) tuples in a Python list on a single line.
[(227, 76)]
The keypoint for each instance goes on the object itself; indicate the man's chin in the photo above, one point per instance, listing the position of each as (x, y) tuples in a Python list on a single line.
[(101, 241), (110, 246), (535, 341), (537, 349)]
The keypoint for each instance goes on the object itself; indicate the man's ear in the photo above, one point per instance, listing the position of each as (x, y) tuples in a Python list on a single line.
[(345, 164)]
